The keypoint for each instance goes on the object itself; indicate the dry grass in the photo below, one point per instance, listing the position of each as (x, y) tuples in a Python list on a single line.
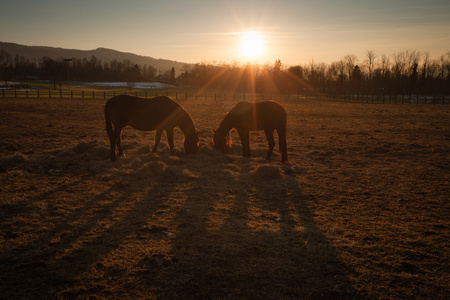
[(362, 211)]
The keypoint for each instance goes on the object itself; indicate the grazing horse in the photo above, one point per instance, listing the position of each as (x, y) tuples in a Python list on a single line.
[(245, 117), (159, 113)]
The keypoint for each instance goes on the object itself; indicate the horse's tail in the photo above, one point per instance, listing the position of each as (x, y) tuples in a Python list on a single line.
[(109, 128), (282, 143)]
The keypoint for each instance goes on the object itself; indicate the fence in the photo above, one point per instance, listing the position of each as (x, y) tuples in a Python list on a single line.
[(184, 95)]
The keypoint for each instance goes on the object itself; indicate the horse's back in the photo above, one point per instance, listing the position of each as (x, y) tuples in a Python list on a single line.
[(142, 114), (128, 102), (259, 115)]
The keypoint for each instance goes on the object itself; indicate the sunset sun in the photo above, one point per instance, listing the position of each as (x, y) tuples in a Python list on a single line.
[(252, 45)]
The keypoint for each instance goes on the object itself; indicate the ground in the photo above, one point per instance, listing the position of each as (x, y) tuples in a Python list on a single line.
[(361, 211)]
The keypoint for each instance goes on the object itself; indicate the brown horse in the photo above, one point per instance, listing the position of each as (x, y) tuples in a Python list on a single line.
[(245, 117), (159, 113)]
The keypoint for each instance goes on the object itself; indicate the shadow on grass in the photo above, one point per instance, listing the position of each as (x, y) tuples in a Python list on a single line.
[(70, 249), (248, 237), (229, 232)]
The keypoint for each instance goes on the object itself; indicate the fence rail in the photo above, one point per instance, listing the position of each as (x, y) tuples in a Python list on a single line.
[(185, 95)]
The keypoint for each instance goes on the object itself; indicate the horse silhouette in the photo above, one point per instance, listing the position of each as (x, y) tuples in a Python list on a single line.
[(158, 113), (245, 117)]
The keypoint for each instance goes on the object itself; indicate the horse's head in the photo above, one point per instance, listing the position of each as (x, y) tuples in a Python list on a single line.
[(221, 141), (191, 144)]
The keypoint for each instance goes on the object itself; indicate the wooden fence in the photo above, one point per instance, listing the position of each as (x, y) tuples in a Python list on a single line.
[(185, 95)]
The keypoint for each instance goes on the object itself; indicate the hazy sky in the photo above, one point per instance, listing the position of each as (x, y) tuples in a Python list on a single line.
[(294, 31)]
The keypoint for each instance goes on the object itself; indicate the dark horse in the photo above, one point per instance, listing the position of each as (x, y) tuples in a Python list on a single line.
[(160, 113), (245, 117)]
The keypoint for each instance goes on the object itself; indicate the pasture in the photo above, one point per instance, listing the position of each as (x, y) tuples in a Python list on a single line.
[(362, 211)]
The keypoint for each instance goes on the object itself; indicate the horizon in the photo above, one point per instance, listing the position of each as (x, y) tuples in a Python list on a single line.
[(234, 31)]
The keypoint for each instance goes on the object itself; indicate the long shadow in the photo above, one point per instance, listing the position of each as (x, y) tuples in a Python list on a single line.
[(58, 259), (267, 245), (236, 235)]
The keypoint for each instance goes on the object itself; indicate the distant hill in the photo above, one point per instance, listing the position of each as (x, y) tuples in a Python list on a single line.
[(105, 55)]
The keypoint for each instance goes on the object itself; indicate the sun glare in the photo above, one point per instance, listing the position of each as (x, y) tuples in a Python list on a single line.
[(252, 45)]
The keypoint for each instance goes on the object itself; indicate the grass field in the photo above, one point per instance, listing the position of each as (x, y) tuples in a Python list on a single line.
[(362, 211)]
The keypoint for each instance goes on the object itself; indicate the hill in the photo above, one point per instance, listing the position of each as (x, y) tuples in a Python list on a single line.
[(104, 54)]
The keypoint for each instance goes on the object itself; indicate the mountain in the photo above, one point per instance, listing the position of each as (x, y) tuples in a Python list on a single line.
[(105, 55)]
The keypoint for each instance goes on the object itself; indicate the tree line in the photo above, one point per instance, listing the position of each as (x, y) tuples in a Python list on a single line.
[(406, 72), (62, 70)]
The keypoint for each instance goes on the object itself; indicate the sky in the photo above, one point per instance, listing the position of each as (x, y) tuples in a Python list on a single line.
[(210, 31)]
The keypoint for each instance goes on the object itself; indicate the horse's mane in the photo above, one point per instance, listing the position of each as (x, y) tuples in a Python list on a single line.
[(185, 121), (225, 128)]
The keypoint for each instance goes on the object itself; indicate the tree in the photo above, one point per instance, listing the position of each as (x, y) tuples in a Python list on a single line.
[(172, 74), (423, 76), (370, 62), (350, 61), (5, 64), (54, 70), (356, 79)]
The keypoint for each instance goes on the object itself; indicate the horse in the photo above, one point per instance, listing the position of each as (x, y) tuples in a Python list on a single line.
[(158, 113), (245, 117)]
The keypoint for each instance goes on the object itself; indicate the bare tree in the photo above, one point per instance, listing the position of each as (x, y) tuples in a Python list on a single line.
[(370, 62), (426, 60), (385, 65), (350, 61)]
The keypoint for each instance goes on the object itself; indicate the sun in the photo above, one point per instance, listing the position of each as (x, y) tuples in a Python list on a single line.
[(252, 45)]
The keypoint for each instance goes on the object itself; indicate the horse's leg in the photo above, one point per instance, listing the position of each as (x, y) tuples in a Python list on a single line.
[(169, 133), (112, 142), (269, 137), (157, 139), (115, 137), (247, 140), (244, 135), (118, 142), (282, 145)]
